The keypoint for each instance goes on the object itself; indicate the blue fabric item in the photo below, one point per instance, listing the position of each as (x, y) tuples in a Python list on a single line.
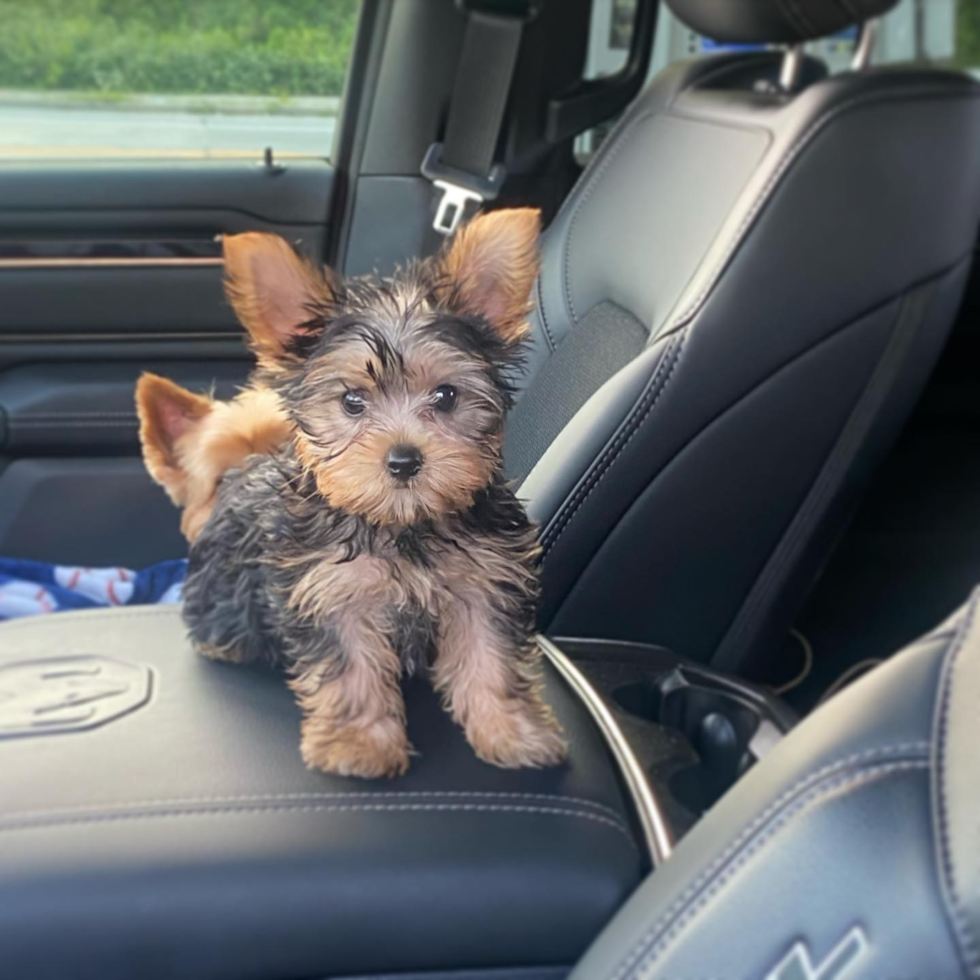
[(28, 588)]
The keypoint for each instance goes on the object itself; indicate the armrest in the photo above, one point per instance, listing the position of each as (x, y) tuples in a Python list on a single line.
[(156, 820)]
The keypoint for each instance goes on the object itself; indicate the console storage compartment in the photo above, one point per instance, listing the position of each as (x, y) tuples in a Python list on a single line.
[(693, 730)]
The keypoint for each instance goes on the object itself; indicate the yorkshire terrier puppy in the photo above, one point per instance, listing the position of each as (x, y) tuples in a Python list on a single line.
[(382, 538)]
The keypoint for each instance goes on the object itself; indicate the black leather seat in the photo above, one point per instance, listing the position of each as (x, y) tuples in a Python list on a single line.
[(850, 851), (157, 822), (738, 306)]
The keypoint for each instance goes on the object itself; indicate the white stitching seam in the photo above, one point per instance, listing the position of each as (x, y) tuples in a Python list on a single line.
[(961, 923), (92, 423), (550, 538), (314, 808), (206, 801), (147, 613), (611, 154), (629, 429), (848, 782), (34, 624), (588, 181), (802, 785), (55, 416), (784, 164)]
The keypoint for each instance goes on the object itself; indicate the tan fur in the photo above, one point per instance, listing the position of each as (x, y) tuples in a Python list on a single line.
[(333, 585), (357, 481), (354, 723), (272, 290), (190, 441), (492, 263), (502, 711), (168, 415)]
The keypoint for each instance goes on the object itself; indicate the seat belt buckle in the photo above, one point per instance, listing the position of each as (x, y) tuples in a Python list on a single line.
[(459, 189), (452, 206)]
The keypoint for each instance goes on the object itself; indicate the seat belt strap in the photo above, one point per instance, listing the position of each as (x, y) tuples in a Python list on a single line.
[(462, 166)]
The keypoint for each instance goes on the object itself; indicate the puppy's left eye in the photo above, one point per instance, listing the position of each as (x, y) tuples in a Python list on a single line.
[(444, 398), (353, 402)]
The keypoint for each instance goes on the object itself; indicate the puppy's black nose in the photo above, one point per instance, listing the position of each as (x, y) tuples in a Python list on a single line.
[(403, 462)]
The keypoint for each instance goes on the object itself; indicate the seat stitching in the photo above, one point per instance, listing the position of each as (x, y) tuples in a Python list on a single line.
[(273, 798), (31, 622), (802, 785), (613, 151), (784, 164), (544, 315), (844, 784), (332, 808), (632, 424), (570, 507), (15, 423), (748, 392), (587, 179), (961, 925), (70, 414)]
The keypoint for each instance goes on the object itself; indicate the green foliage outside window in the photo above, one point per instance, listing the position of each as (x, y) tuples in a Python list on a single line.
[(968, 34), (262, 47)]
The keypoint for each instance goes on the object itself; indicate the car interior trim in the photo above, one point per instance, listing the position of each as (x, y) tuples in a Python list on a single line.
[(106, 263), (656, 832)]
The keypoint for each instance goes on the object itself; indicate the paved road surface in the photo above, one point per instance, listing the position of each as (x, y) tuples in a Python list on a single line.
[(31, 131)]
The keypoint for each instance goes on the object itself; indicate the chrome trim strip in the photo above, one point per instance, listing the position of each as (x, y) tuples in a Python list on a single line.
[(655, 829), (128, 338), (864, 48), (109, 263), (791, 68)]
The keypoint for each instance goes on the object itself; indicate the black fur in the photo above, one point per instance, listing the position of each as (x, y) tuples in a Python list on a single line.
[(270, 526)]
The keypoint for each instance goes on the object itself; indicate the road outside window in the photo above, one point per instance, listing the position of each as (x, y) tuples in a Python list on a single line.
[(171, 78)]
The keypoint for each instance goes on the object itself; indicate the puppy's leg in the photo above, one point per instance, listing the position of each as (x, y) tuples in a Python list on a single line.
[(487, 678), (225, 605), (354, 714)]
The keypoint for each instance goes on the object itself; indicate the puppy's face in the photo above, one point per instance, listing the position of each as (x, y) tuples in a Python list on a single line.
[(398, 388), (190, 441)]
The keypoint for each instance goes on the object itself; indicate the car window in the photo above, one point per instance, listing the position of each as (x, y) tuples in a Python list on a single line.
[(171, 78), (939, 32)]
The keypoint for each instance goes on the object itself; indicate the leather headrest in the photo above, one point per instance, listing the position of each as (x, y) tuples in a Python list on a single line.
[(774, 21)]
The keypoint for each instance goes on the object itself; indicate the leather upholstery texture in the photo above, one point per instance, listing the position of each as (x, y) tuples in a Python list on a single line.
[(775, 21), (850, 850), (70, 408), (797, 262), (185, 838)]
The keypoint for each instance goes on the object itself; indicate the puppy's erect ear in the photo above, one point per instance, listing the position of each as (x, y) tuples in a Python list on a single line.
[(168, 414), (491, 264), (272, 290)]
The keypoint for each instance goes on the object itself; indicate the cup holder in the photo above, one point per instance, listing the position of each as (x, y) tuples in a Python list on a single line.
[(694, 731), (725, 727)]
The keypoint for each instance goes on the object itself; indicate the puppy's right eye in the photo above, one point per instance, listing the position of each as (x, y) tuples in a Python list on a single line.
[(353, 403)]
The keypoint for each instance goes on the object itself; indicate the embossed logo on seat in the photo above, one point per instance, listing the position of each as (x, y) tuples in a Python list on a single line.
[(68, 694), (836, 965)]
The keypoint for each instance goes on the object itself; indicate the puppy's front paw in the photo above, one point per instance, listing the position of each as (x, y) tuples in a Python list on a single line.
[(371, 752), (517, 734)]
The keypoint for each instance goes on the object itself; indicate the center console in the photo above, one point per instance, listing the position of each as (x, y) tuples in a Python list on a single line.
[(156, 819)]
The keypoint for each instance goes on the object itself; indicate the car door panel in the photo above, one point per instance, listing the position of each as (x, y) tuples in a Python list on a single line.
[(107, 271)]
